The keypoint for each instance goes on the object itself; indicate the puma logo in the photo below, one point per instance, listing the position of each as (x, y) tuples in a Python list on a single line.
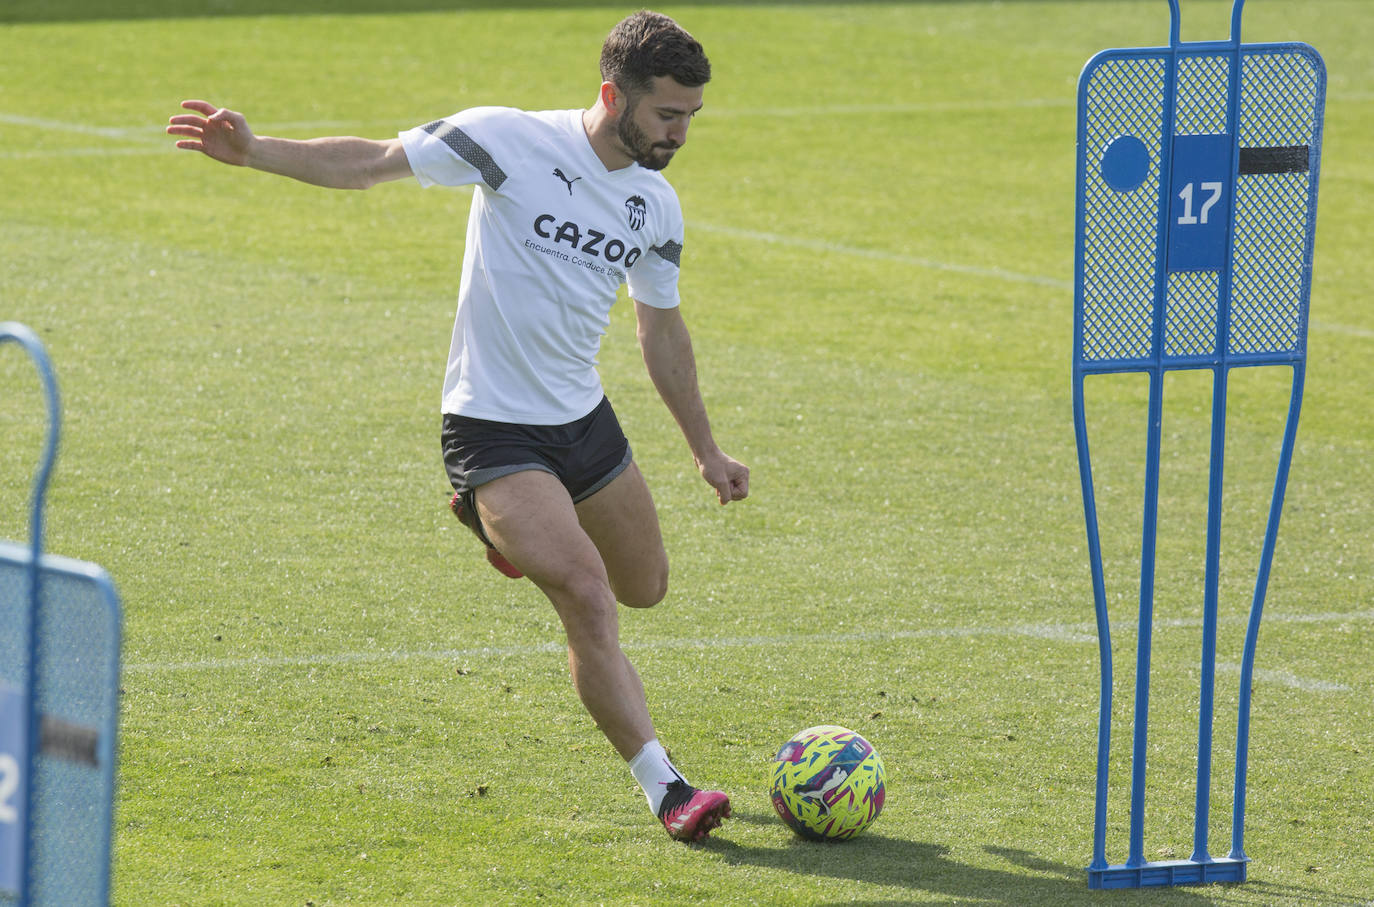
[(558, 172)]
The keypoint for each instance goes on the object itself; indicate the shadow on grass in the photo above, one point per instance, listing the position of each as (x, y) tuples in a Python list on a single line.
[(920, 866)]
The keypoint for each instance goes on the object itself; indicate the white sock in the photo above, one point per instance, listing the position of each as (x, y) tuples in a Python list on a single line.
[(654, 772)]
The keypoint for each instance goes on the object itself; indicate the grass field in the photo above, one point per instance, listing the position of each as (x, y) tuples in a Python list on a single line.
[(329, 698)]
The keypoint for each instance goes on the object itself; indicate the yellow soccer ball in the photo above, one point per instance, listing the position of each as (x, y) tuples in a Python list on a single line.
[(828, 783)]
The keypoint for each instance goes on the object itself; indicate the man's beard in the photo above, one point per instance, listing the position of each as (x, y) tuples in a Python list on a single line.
[(646, 154)]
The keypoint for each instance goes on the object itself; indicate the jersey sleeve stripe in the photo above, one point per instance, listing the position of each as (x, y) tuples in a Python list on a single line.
[(463, 146), (670, 252)]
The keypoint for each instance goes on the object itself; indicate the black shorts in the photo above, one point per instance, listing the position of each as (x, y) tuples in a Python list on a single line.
[(584, 455)]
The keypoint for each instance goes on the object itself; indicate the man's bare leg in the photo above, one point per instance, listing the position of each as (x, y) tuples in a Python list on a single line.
[(564, 549), (532, 521)]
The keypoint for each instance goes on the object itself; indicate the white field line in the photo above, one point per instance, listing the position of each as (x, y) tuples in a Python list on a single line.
[(105, 132), (126, 151), (490, 652), (1073, 634), (148, 132), (829, 248), (1351, 330), (1068, 102), (148, 139), (1285, 679)]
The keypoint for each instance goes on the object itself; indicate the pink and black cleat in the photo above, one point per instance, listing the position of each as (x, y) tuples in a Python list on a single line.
[(690, 814)]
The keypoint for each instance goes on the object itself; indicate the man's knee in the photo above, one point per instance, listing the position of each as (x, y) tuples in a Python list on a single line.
[(645, 589), (586, 606)]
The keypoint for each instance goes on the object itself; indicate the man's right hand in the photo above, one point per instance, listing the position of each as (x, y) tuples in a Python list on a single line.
[(214, 131)]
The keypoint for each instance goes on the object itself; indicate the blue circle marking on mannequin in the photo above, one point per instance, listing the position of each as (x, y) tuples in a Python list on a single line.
[(1125, 163)]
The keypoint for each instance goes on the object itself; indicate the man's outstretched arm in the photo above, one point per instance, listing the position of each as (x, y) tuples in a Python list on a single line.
[(337, 162)]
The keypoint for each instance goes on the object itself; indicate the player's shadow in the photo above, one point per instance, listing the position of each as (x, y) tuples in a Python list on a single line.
[(920, 866)]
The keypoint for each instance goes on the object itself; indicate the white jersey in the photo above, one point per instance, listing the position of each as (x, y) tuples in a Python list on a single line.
[(551, 237)]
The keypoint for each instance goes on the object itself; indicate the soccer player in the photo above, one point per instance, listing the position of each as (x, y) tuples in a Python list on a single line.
[(567, 206)]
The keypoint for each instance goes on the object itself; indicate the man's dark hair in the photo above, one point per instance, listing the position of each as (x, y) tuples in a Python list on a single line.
[(647, 45)]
